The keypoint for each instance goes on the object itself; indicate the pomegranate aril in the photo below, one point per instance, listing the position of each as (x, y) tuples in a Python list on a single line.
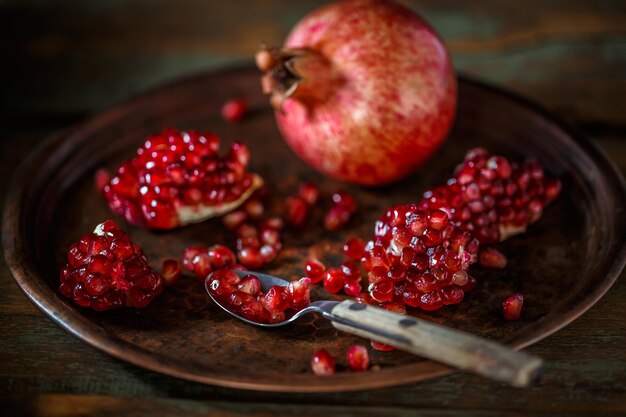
[(354, 249), (344, 200), (299, 293), (492, 258), (334, 280), (102, 178), (309, 192), (254, 208), (314, 270), (336, 218), (234, 110), (381, 347), (323, 363), (512, 306), (276, 300), (352, 288), (201, 266), (364, 298), (250, 285), (358, 358), (220, 256), (234, 219), (297, 211), (250, 257), (170, 272), (382, 291)]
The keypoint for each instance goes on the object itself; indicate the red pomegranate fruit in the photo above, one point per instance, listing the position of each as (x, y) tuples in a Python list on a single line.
[(106, 270), (178, 178), (364, 90)]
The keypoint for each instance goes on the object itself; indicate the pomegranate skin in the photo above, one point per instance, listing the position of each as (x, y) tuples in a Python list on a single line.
[(387, 102)]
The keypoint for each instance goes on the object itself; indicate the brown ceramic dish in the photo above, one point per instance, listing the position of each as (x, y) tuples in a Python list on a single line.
[(563, 265)]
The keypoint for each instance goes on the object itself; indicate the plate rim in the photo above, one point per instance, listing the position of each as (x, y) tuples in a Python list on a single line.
[(86, 331)]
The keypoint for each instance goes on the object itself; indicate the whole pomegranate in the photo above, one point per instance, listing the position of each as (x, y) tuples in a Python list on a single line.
[(364, 90)]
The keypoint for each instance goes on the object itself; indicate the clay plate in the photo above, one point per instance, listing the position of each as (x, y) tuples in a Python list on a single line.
[(563, 265)]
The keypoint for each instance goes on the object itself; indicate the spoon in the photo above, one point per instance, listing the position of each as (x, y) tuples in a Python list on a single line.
[(442, 344)]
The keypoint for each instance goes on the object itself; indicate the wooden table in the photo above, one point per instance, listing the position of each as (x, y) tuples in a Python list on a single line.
[(64, 62)]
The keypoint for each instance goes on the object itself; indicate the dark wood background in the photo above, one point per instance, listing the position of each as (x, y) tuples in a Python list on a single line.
[(64, 60)]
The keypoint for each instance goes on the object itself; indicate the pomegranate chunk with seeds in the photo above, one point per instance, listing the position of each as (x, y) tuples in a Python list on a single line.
[(202, 261), (178, 178), (358, 358), (323, 363), (512, 306), (106, 270), (493, 198)]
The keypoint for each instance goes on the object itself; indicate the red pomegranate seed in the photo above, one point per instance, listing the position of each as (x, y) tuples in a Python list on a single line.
[(201, 266), (315, 270), (351, 271), (296, 211), (220, 256), (354, 249), (170, 272), (254, 208), (235, 219), (358, 358), (309, 192), (322, 363), (343, 199), (106, 270), (336, 218), (250, 284), (492, 258), (334, 280), (102, 179), (512, 306), (276, 300), (381, 347), (250, 257), (299, 293), (382, 291), (364, 298), (234, 110), (352, 288)]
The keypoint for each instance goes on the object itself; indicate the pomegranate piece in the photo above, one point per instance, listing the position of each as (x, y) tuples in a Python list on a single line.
[(178, 178), (234, 110), (323, 363), (492, 258), (493, 198), (170, 272), (512, 306), (358, 358), (106, 270)]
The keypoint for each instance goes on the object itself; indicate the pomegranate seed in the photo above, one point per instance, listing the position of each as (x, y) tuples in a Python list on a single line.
[(352, 288), (201, 266), (106, 270), (358, 358), (276, 300), (254, 208), (296, 211), (492, 258), (354, 249), (250, 257), (250, 285), (170, 272), (343, 199), (220, 256), (299, 293), (234, 110), (364, 298), (334, 280), (382, 291), (336, 218), (315, 270), (309, 192), (380, 346), (512, 306), (102, 179), (234, 219), (322, 363)]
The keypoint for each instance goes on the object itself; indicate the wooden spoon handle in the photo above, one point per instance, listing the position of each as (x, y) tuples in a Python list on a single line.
[(442, 344)]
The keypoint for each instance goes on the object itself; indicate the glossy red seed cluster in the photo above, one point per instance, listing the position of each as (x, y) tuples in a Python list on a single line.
[(346, 277), (202, 260), (243, 296), (418, 258), (493, 198), (174, 170), (106, 270), (259, 239), (343, 208)]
